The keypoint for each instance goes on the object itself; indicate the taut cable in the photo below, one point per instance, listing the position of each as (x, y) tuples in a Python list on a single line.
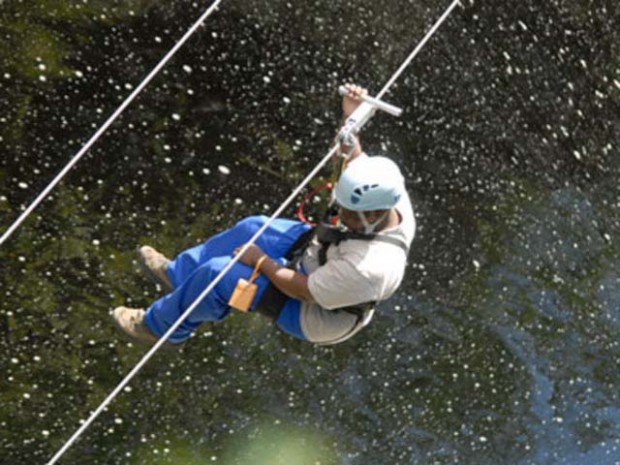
[(233, 261), (17, 223)]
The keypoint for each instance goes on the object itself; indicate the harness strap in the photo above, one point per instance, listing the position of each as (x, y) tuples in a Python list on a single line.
[(296, 252), (271, 303), (327, 236), (273, 300)]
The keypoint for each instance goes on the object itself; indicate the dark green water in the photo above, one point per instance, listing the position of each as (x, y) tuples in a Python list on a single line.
[(501, 348)]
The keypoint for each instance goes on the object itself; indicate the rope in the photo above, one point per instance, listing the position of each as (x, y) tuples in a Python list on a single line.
[(416, 50), (191, 308), (107, 124), (221, 275)]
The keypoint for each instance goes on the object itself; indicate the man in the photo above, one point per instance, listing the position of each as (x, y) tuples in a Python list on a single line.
[(319, 286)]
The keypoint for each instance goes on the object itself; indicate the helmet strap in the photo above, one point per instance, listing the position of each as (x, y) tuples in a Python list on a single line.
[(369, 228)]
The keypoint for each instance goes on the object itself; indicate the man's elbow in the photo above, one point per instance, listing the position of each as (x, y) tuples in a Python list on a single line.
[(305, 294)]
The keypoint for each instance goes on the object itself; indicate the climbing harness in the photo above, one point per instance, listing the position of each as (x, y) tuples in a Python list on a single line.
[(327, 236), (333, 151), (273, 300), (35, 203)]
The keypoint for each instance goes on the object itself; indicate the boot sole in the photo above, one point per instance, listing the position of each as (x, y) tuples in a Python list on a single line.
[(168, 346), (152, 276)]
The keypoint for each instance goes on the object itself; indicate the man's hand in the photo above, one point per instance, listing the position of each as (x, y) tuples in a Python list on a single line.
[(288, 281), (353, 99), (251, 256), (350, 102)]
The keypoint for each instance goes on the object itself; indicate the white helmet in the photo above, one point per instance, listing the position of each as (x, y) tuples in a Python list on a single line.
[(370, 183)]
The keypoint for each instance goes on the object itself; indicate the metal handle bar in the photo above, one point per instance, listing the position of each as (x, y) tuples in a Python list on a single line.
[(379, 104)]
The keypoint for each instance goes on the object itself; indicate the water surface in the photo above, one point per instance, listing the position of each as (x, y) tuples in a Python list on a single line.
[(502, 346)]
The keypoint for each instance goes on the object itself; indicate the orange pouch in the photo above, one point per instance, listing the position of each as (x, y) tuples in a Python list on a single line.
[(244, 293)]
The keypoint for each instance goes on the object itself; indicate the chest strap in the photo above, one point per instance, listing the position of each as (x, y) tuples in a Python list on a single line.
[(273, 300), (328, 235)]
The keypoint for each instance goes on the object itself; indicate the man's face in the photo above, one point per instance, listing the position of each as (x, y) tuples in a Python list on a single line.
[(351, 219)]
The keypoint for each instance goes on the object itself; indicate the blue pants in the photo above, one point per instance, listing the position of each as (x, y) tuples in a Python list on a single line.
[(192, 271)]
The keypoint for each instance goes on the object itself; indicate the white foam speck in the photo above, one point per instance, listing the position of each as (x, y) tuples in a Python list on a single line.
[(223, 169)]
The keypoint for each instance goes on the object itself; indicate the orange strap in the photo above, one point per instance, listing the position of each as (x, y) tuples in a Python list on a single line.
[(256, 271)]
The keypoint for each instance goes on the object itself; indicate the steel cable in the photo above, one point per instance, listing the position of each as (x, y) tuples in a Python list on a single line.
[(236, 258), (95, 137)]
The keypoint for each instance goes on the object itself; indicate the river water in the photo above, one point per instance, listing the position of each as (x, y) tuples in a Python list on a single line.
[(500, 348)]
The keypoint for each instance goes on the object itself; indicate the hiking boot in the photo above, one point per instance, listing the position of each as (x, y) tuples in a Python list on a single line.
[(155, 264), (131, 322)]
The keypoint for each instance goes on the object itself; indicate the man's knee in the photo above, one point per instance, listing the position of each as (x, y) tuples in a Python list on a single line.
[(226, 285), (214, 266)]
